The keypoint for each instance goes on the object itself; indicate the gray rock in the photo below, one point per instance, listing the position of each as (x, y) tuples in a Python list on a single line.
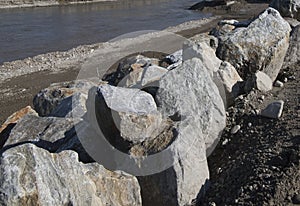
[(292, 55), (224, 75), (273, 110), (278, 83), (143, 77), (115, 75), (61, 99), (174, 59), (138, 128), (204, 52), (131, 112), (293, 22), (195, 102), (227, 79), (127, 100), (48, 132), (33, 176), (235, 129), (260, 46), (263, 82), (208, 39), (260, 81), (287, 8)]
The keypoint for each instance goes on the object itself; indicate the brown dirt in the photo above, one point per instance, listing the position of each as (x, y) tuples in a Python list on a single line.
[(17, 93)]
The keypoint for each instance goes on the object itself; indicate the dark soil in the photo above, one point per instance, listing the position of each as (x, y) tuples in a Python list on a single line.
[(260, 164)]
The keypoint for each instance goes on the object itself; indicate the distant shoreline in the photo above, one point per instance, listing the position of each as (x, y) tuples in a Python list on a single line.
[(46, 3)]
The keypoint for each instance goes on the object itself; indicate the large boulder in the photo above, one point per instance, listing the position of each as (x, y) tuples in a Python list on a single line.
[(287, 8), (48, 132), (203, 51), (30, 175), (127, 113), (195, 104), (194, 95), (223, 73), (11, 122), (261, 45), (62, 99), (292, 55)]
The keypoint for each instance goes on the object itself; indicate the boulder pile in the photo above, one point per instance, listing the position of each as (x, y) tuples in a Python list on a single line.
[(165, 116)]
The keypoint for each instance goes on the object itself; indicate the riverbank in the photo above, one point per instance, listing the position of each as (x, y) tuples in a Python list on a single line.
[(256, 161), (42, 3), (22, 79)]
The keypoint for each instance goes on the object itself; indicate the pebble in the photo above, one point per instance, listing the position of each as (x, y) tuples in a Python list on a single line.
[(273, 110), (225, 142), (212, 204), (235, 129), (285, 80), (278, 84), (292, 78), (249, 124)]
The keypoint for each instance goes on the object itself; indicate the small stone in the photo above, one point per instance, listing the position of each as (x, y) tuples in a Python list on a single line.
[(225, 142), (235, 129), (273, 110), (278, 84), (285, 80), (292, 77), (249, 124), (212, 204), (296, 199)]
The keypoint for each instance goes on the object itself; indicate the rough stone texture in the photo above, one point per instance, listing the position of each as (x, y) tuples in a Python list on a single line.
[(172, 61), (227, 79), (137, 128), (11, 121), (194, 101), (61, 99), (32, 176), (48, 132), (127, 112), (260, 81), (126, 66), (15, 117), (287, 8), (260, 46), (204, 52), (224, 75), (273, 110), (127, 100), (194, 94), (293, 52), (143, 77), (293, 22)]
